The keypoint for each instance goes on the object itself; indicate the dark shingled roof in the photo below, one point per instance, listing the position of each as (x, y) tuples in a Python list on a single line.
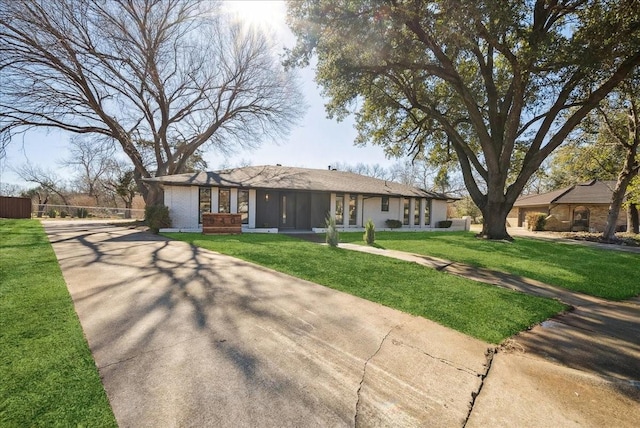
[(593, 192), (290, 178)]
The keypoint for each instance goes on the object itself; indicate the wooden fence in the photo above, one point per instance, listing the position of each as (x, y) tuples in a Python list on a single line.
[(11, 207)]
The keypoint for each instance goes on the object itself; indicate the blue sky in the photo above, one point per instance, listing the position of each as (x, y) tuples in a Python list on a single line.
[(316, 143)]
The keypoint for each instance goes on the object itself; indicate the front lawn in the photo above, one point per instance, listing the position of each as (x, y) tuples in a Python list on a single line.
[(483, 311), (609, 274), (47, 374)]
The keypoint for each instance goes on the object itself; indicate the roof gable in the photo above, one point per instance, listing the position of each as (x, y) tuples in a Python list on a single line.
[(593, 192), (291, 178)]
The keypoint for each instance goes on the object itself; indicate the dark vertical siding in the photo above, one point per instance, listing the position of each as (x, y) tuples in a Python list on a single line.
[(303, 211), (320, 208), (11, 207), (267, 212)]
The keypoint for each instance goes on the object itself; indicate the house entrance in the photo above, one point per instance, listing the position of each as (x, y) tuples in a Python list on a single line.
[(295, 211), (580, 219)]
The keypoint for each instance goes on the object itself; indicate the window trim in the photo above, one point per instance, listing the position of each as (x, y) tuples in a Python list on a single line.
[(200, 210), (339, 213), (353, 213), (244, 215), (406, 211), (228, 205), (384, 204)]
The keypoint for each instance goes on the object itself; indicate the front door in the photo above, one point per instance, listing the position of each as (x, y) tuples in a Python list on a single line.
[(287, 210)]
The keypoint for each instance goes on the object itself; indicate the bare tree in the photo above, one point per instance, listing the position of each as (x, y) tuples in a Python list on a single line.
[(162, 78), (92, 159), (121, 183), (48, 181), (39, 196), (374, 170), (9, 189)]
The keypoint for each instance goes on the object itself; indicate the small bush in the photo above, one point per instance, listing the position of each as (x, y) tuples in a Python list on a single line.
[(332, 232), (52, 213), (369, 232), (444, 224), (157, 217), (64, 214), (393, 224), (536, 221), (82, 213)]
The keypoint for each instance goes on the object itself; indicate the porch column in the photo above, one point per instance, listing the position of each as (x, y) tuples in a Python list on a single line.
[(412, 210), (345, 210), (215, 201), (234, 200), (423, 202), (332, 206), (252, 208)]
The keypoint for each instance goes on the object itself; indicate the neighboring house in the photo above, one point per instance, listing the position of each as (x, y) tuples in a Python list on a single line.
[(278, 198), (582, 207)]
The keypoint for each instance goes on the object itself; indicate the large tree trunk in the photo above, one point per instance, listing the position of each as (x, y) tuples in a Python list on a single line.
[(609, 233), (629, 171), (633, 219), (495, 221), (151, 193), (127, 209)]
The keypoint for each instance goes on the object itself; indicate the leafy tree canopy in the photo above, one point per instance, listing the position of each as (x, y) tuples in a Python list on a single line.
[(500, 84)]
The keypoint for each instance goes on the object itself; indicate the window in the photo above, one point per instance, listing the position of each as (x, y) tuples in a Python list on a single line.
[(224, 201), (427, 211), (385, 204), (339, 209), (405, 220), (204, 202), (243, 205), (416, 212), (353, 209), (283, 220), (581, 218)]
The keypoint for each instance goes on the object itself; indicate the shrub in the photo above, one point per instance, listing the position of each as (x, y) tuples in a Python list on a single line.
[(332, 232), (82, 213), (444, 224), (157, 217), (369, 232), (536, 221), (63, 214), (52, 213), (393, 224)]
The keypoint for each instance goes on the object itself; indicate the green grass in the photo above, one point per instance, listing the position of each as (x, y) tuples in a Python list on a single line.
[(47, 374), (485, 312), (608, 274)]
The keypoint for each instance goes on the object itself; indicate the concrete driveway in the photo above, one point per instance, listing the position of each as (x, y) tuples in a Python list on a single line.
[(187, 337)]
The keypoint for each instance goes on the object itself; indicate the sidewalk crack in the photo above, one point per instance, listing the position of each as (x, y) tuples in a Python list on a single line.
[(149, 351), (490, 354), (364, 373), (442, 360)]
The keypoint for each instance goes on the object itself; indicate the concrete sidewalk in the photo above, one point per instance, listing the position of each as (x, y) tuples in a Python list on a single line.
[(187, 337), (598, 335)]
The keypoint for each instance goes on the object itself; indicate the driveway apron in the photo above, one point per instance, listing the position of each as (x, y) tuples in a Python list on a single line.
[(188, 337)]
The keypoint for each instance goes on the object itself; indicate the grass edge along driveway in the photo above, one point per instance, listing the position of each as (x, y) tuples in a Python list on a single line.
[(47, 374), (483, 311), (609, 274)]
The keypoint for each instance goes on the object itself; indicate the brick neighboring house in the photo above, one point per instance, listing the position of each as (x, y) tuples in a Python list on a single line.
[(581, 207), (279, 198)]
